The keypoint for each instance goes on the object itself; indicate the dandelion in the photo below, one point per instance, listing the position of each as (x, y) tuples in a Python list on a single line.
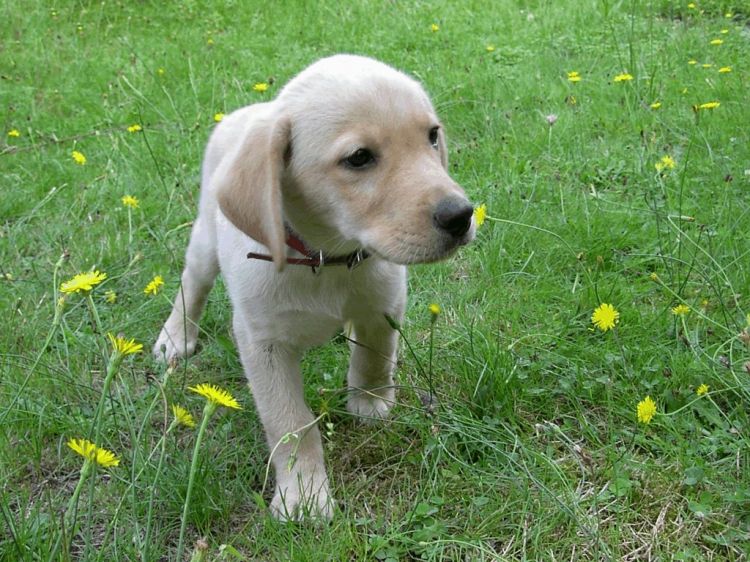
[(136, 128), (680, 310), (130, 201), (691, 6), (124, 347), (434, 28), (480, 214), (79, 158), (702, 389), (434, 309), (218, 117), (210, 41), (605, 317), (110, 296), (653, 276), (707, 65), (709, 105), (160, 71), (624, 77), (655, 105), (216, 395), (724, 31), (260, 87), (573, 76), (490, 48), (154, 285), (182, 416), (14, 133), (725, 69), (92, 453), (717, 41), (83, 282), (646, 410), (729, 15), (665, 163), (692, 62)]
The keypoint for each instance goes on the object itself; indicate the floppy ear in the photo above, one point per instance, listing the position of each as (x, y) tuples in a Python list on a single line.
[(249, 189), (443, 148)]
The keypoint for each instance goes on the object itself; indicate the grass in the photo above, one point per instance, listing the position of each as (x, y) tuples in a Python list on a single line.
[(534, 451)]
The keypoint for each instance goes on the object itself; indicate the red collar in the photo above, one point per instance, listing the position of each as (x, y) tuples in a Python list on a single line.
[(314, 259)]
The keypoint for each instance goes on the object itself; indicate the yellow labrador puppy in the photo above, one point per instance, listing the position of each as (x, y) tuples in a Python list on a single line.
[(311, 206)]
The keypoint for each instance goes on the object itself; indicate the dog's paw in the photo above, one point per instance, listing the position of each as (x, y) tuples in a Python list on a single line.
[(175, 344), (371, 405), (296, 503)]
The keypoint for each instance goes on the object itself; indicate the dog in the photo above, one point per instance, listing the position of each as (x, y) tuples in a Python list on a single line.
[(311, 206)]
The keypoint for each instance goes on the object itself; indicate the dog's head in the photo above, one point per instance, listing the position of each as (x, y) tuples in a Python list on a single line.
[(351, 155)]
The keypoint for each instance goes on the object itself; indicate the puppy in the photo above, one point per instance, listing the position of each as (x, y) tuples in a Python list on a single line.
[(311, 206)]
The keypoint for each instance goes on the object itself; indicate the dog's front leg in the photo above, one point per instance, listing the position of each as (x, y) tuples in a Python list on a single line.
[(275, 379), (370, 379)]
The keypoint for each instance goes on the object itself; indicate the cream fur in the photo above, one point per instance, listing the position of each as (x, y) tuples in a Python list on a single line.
[(279, 163)]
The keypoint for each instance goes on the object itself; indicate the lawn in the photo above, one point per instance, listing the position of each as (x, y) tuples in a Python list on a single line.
[(609, 142)]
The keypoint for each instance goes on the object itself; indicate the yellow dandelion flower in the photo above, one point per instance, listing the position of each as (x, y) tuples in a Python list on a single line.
[(646, 410), (218, 117), (130, 201), (14, 133), (216, 395), (605, 317), (665, 163), (707, 65), (717, 41), (680, 310), (110, 296), (655, 105), (573, 76), (490, 48), (725, 69), (624, 77), (210, 41), (91, 452), (692, 62), (83, 282), (79, 158), (135, 128), (434, 28), (260, 87), (709, 105), (702, 389), (154, 285), (724, 31), (434, 309), (123, 346), (183, 416), (653, 276), (691, 6), (160, 71), (480, 214)]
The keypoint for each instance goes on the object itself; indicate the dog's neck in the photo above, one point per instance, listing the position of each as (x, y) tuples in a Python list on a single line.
[(315, 259)]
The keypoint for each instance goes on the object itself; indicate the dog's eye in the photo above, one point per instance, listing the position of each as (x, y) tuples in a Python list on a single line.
[(359, 159), (434, 137)]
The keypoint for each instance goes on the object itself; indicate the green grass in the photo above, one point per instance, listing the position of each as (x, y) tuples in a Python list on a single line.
[(534, 452)]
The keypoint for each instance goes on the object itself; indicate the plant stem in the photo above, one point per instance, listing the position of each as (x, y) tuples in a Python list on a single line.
[(208, 411)]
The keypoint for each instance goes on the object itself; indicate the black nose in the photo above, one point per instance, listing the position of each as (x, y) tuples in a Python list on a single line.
[(453, 215)]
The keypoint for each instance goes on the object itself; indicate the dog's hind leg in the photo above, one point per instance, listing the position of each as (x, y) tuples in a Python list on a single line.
[(180, 332)]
